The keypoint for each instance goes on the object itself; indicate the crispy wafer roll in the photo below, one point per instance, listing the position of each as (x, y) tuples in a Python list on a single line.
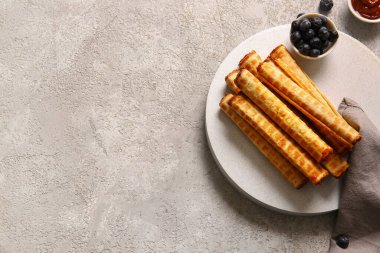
[(302, 98), (335, 164), (279, 139), (281, 56), (336, 141), (230, 80), (339, 144), (282, 115), (250, 61), (291, 174)]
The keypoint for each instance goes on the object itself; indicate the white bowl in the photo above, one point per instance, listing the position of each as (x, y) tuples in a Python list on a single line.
[(330, 26), (360, 17)]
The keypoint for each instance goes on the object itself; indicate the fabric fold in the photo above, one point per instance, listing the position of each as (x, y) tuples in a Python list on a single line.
[(359, 205)]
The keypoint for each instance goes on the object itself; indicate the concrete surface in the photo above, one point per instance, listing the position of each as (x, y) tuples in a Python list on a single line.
[(103, 144)]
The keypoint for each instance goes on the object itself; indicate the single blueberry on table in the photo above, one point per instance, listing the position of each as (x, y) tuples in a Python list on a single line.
[(342, 241), (326, 5)]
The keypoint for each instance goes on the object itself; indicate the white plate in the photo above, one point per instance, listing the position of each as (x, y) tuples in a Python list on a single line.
[(351, 70)]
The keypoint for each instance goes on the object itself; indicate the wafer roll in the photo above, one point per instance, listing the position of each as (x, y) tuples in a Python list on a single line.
[(230, 80), (250, 61), (292, 175), (282, 115), (339, 144), (279, 139), (281, 56), (335, 164), (302, 98)]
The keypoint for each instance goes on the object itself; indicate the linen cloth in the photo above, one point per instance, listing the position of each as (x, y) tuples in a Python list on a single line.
[(359, 204)]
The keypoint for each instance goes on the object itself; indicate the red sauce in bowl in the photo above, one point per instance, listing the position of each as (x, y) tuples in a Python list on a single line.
[(369, 9)]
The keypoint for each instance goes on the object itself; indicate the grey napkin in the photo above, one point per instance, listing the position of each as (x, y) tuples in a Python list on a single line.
[(359, 207)]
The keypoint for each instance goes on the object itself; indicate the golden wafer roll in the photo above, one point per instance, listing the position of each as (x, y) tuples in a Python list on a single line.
[(281, 56), (250, 61), (339, 144), (282, 115), (279, 139), (302, 98), (335, 164), (230, 80), (292, 175)]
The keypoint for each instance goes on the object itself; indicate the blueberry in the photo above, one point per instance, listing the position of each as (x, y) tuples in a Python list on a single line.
[(295, 37), (305, 25), (342, 241), (309, 34), (333, 36), (323, 33), (326, 5), (315, 42), (315, 52), (324, 20), (304, 49), (299, 15), (299, 43), (325, 45), (295, 25), (316, 22)]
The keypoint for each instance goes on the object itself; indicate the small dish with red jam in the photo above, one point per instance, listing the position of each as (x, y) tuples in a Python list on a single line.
[(365, 10)]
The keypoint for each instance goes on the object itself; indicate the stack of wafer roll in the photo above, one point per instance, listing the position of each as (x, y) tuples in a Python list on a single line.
[(288, 118), (293, 175)]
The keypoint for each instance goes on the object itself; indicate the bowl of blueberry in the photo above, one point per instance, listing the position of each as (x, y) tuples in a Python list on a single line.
[(313, 36)]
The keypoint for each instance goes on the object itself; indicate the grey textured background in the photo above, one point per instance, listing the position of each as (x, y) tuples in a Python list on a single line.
[(103, 145)]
